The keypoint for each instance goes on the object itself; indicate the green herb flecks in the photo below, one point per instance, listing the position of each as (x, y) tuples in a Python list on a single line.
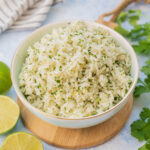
[(99, 99), (39, 86)]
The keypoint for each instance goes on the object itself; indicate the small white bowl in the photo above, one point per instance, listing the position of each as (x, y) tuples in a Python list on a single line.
[(19, 59)]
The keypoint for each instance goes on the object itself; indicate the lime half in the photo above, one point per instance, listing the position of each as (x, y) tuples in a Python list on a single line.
[(5, 80), (21, 141), (9, 113)]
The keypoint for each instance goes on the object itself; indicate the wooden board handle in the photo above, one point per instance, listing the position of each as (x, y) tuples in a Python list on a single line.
[(114, 14)]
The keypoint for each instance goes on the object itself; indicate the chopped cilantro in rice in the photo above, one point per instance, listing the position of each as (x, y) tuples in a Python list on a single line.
[(76, 71)]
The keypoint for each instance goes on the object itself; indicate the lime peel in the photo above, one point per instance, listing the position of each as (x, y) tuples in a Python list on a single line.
[(5, 79)]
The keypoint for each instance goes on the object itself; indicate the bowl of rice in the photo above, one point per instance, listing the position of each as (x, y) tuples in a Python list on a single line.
[(74, 74)]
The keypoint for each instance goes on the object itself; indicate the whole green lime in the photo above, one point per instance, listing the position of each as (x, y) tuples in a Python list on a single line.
[(5, 79)]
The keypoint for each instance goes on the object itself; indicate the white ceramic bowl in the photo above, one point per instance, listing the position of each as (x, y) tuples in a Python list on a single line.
[(19, 59)]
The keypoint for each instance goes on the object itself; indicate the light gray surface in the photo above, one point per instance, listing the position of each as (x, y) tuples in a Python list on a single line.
[(85, 10)]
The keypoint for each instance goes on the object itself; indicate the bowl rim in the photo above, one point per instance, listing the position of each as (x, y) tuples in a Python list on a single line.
[(28, 105)]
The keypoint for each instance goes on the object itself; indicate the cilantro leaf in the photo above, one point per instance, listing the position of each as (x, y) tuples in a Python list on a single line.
[(122, 17), (121, 30), (135, 11), (146, 146), (140, 90), (139, 33), (132, 16), (140, 129), (137, 129), (143, 86), (133, 20), (146, 69), (145, 114), (142, 47)]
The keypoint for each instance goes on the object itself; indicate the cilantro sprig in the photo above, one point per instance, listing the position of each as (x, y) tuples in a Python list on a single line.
[(139, 34), (140, 128), (132, 16)]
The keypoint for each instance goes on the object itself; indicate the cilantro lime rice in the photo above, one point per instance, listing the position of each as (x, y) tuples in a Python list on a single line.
[(75, 71)]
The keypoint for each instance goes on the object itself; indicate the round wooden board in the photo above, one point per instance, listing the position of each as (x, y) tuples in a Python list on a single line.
[(76, 138)]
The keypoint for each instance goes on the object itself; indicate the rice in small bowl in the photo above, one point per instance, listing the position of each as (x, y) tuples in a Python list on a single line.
[(76, 71)]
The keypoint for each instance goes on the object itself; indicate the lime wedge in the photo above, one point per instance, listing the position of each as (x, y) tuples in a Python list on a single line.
[(9, 113), (21, 141), (5, 80)]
